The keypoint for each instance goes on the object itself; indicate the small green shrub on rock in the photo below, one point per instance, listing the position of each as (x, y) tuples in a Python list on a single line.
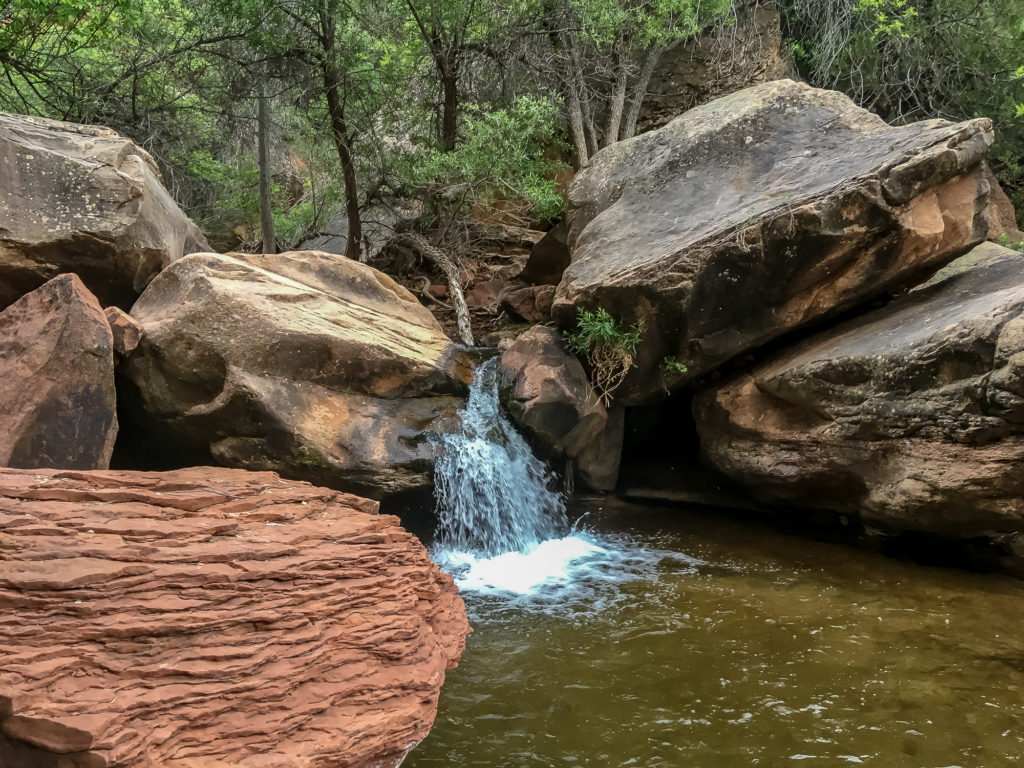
[(608, 345)]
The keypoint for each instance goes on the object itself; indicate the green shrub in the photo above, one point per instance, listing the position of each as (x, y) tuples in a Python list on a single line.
[(608, 345)]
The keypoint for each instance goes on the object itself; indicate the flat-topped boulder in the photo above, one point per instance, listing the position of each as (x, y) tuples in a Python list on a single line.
[(761, 212), (911, 416), (83, 199), (305, 363), (213, 617), (58, 407)]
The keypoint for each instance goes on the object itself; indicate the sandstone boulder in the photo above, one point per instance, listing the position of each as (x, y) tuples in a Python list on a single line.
[(761, 212), (911, 416), (549, 396), (306, 363), (83, 199), (215, 618), (57, 400)]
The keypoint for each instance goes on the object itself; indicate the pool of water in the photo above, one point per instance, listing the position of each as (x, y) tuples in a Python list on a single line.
[(658, 637)]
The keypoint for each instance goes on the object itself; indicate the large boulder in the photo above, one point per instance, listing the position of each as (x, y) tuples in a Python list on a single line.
[(911, 416), (761, 212), (83, 199), (305, 363), (216, 618), (549, 397), (57, 400)]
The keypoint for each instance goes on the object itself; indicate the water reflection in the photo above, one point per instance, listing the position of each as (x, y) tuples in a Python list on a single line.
[(682, 641)]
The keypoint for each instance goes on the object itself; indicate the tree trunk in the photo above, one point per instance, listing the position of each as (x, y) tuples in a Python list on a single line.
[(263, 163), (579, 138), (651, 59), (343, 144), (451, 271), (450, 109), (617, 101)]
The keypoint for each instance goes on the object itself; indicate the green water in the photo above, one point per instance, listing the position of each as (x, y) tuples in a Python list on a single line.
[(708, 643)]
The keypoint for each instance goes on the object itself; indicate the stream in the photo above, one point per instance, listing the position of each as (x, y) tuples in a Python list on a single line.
[(643, 636)]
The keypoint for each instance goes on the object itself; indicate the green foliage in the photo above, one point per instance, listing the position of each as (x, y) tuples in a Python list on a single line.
[(670, 365), (595, 328), (1004, 240), (910, 60), (502, 157)]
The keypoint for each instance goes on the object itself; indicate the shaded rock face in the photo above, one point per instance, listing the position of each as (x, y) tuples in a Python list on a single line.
[(761, 212), (745, 53), (83, 199), (57, 400), (549, 257), (305, 363), (550, 397), (214, 617), (911, 416)]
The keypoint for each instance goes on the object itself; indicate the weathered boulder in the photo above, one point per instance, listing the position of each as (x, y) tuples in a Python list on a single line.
[(549, 396), (305, 363), (57, 400), (213, 617), (532, 303), (83, 199), (761, 212), (911, 416), (127, 331), (549, 257)]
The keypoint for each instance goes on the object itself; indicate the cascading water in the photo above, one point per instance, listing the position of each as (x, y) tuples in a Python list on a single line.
[(492, 492), (501, 529)]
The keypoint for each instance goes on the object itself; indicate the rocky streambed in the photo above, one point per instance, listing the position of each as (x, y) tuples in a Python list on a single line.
[(821, 333)]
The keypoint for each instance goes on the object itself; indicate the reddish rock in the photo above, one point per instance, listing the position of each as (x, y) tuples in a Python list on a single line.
[(57, 401), (532, 304), (214, 617), (127, 331), (485, 295)]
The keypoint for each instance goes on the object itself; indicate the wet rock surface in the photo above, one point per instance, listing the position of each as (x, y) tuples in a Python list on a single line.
[(551, 398), (57, 400), (761, 212), (213, 617), (305, 363), (83, 199), (911, 416)]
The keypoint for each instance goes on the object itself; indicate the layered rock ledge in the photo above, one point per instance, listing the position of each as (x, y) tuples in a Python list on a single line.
[(911, 416), (213, 617)]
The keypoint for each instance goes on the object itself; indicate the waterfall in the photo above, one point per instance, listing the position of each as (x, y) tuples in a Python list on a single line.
[(492, 492)]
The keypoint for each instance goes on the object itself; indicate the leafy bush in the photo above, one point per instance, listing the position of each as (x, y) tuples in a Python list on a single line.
[(1004, 240), (504, 155), (671, 365)]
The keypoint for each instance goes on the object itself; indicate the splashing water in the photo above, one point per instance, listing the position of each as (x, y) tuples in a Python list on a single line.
[(501, 530), (492, 492)]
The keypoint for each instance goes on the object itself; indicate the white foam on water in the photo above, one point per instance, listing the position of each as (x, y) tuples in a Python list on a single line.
[(543, 565)]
